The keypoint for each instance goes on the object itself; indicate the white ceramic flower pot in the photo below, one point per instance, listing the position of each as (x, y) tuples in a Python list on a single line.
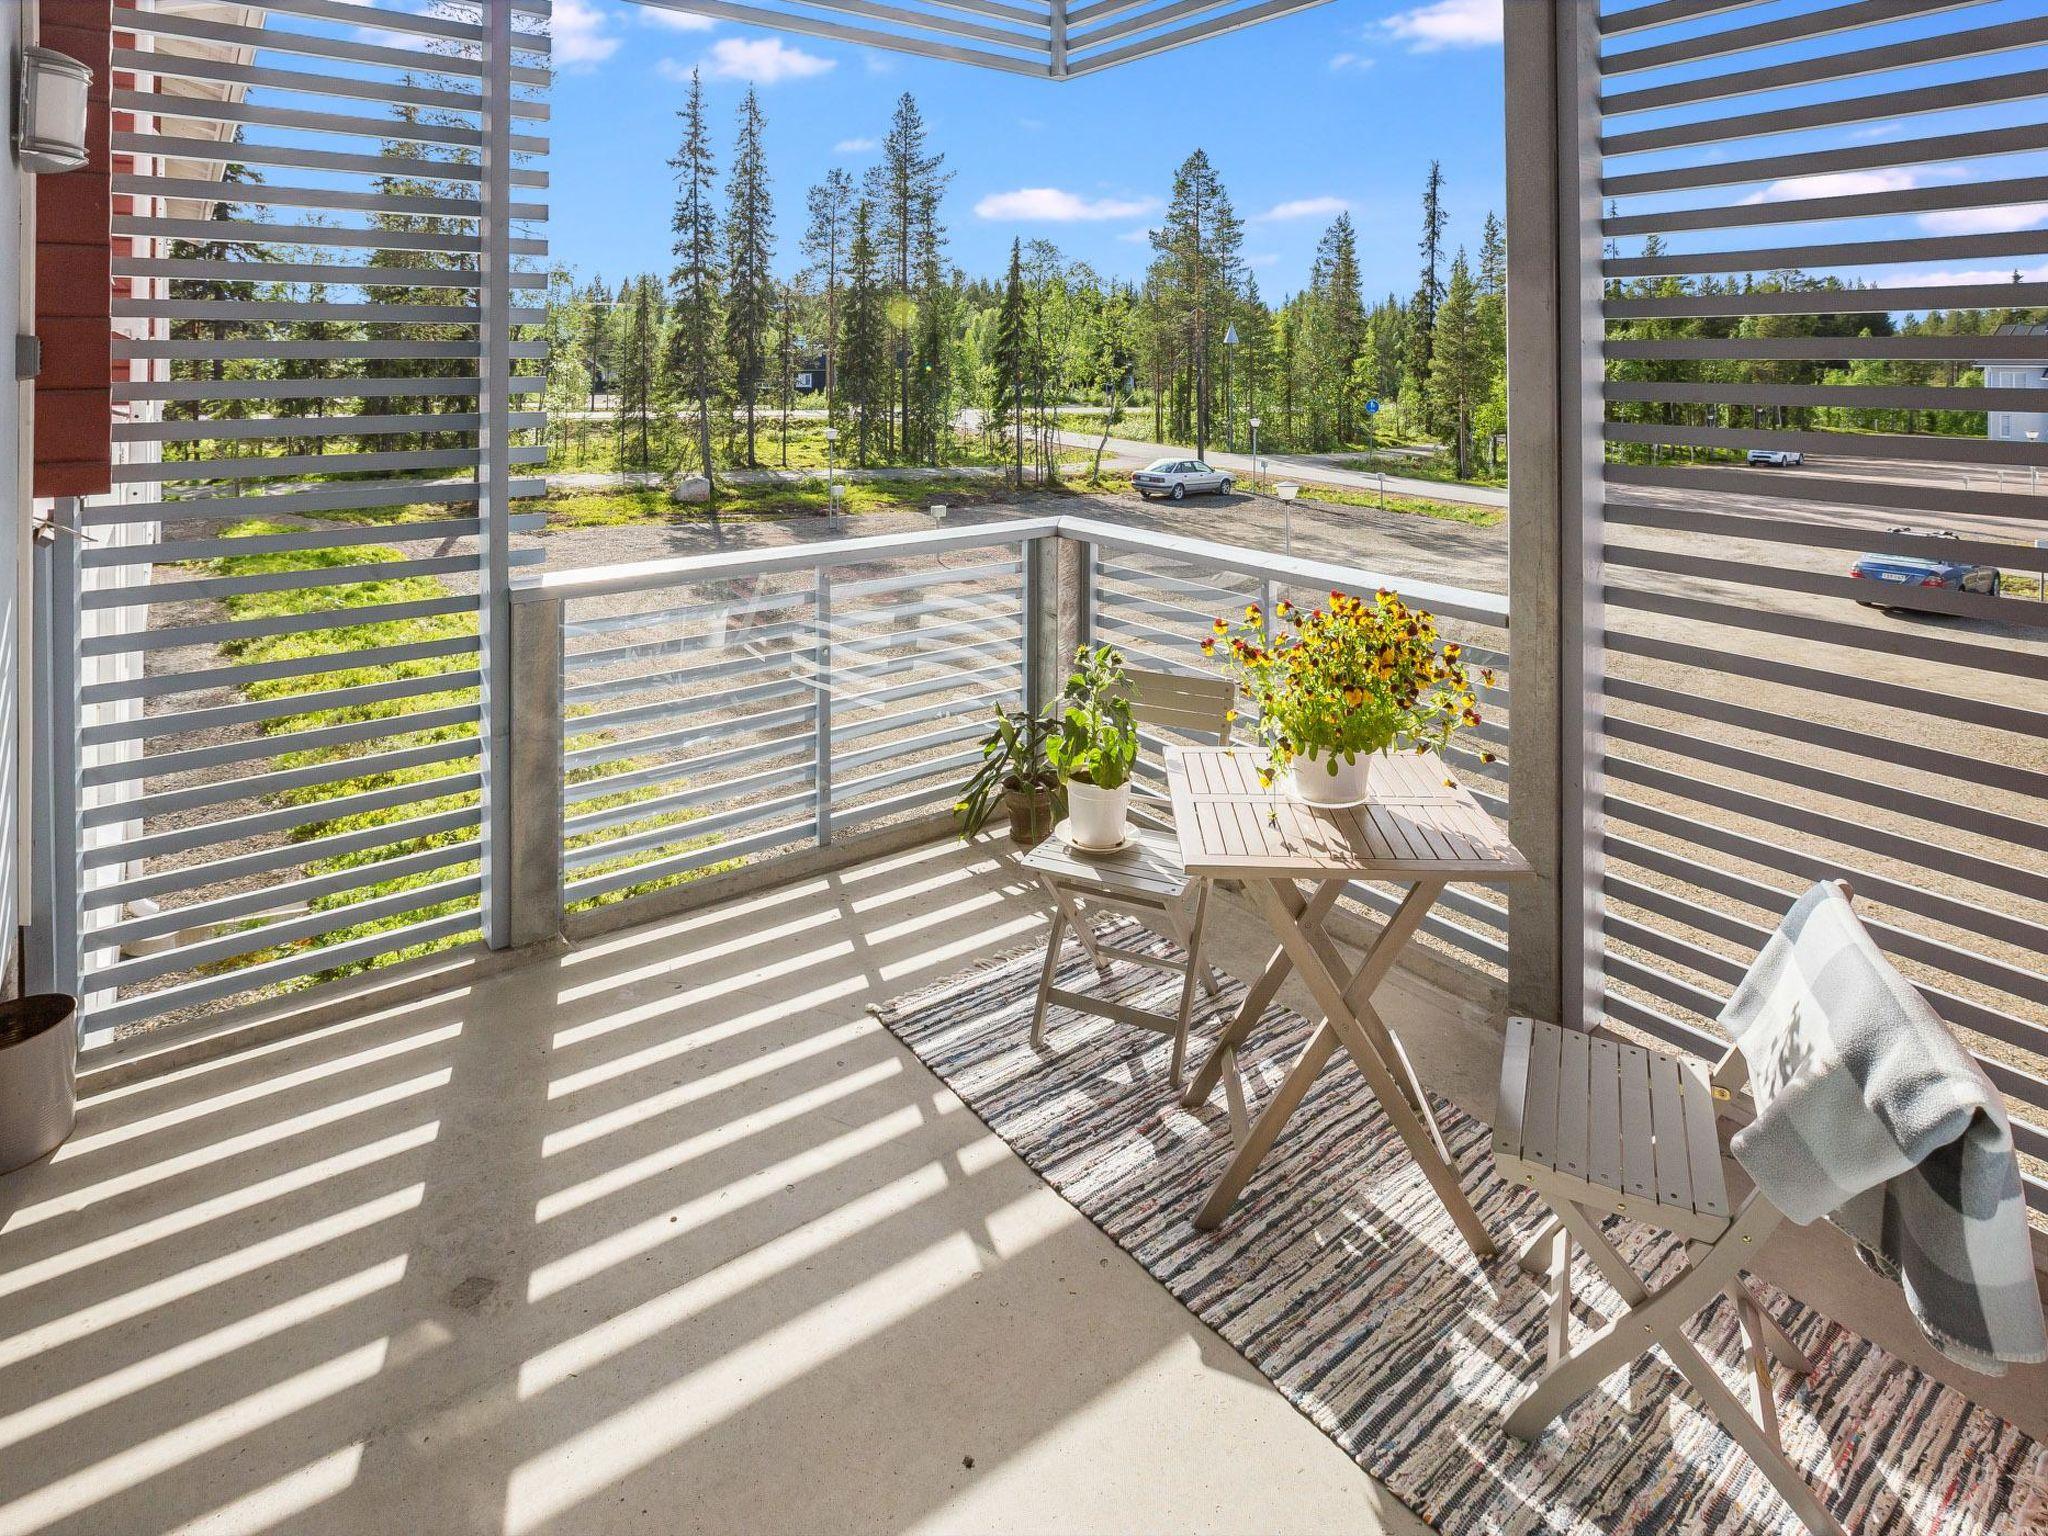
[(1098, 818), (1315, 784)]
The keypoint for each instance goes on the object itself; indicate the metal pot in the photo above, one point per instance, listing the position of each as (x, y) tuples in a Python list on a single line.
[(38, 1076)]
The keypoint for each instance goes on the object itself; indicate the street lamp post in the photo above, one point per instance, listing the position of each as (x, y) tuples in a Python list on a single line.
[(1229, 418), (831, 480), (1255, 452), (2034, 469)]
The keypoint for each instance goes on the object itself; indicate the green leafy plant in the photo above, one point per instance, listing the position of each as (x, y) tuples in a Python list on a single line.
[(1095, 739), (1013, 757)]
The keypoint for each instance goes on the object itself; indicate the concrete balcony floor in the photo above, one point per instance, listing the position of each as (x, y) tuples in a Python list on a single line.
[(662, 1233)]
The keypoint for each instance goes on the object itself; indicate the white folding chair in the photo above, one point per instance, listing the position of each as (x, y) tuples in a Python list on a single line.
[(1598, 1127), (1145, 880)]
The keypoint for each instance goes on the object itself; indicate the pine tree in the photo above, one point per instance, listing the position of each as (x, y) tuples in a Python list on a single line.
[(1196, 266), (864, 375), (830, 206), (695, 277), (1011, 357), (1459, 361), (750, 295)]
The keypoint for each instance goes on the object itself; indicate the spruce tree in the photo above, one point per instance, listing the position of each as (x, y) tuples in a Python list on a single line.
[(905, 190), (1197, 244), (750, 296), (1460, 373), (830, 207), (866, 341), (1011, 356), (1429, 289), (694, 279), (639, 353), (1339, 326)]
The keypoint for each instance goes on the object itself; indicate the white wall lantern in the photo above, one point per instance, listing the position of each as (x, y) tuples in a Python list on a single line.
[(50, 125)]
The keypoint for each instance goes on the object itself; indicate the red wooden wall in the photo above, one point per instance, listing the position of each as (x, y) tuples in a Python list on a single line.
[(74, 288)]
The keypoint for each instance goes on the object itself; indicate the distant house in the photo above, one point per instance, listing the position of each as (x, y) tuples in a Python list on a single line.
[(2019, 426), (810, 374)]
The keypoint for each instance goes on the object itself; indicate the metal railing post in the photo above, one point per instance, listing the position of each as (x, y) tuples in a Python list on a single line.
[(531, 786), (1040, 598), (821, 708), (494, 478), (52, 961), (1075, 560)]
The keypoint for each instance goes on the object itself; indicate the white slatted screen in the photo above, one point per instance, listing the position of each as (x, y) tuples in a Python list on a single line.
[(1801, 196), (326, 246)]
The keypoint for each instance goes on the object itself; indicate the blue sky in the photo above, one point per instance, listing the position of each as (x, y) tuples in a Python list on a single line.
[(1339, 107)]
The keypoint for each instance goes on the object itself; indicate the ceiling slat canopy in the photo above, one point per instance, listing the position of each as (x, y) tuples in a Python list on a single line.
[(1041, 38)]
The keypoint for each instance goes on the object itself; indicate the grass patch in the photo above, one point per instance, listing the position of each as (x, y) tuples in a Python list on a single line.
[(2014, 584), (1436, 467), (620, 506), (1407, 506)]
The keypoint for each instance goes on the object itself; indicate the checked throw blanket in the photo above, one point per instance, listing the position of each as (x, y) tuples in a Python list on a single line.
[(1870, 1112)]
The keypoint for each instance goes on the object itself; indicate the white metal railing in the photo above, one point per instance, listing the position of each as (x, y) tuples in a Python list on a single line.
[(711, 709), (1154, 597), (682, 715)]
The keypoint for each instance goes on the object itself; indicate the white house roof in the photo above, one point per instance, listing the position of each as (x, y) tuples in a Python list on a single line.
[(1047, 39)]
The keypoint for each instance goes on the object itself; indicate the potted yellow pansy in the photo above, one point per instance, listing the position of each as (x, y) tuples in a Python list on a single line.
[(1339, 686)]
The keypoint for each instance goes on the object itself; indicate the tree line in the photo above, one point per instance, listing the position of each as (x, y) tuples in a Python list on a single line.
[(915, 361)]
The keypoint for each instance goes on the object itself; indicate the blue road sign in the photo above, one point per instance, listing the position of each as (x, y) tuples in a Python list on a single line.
[(1372, 407)]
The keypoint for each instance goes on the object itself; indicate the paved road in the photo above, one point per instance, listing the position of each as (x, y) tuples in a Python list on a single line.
[(1321, 469)]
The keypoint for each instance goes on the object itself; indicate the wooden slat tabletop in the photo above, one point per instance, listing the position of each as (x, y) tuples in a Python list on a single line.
[(1416, 824)]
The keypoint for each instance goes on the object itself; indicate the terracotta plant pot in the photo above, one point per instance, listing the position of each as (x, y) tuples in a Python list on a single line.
[(1030, 815), (1314, 784)]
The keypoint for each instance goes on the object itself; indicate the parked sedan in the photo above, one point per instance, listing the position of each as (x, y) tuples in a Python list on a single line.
[(1775, 458), (1922, 571), (1179, 479)]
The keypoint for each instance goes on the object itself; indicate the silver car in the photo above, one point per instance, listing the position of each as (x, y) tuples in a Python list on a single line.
[(1179, 479)]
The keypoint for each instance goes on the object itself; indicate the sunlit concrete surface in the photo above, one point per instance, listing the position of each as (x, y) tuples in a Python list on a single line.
[(663, 1234)]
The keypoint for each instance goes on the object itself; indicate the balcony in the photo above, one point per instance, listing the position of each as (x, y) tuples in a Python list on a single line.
[(650, 1212), (548, 1064)]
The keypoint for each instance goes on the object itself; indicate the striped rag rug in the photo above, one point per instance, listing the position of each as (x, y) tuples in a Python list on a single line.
[(1341, 1279)]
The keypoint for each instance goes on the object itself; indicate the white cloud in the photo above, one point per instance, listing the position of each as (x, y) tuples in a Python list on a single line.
[(583, 35), (1302, 208), (1446, 24), (674, 21), (763, 60), (1966, 277), (1052, 205), (1985, 221), (853, 146), (1835, 184), (1344, 61), (1136, 237), (1891, 128)]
